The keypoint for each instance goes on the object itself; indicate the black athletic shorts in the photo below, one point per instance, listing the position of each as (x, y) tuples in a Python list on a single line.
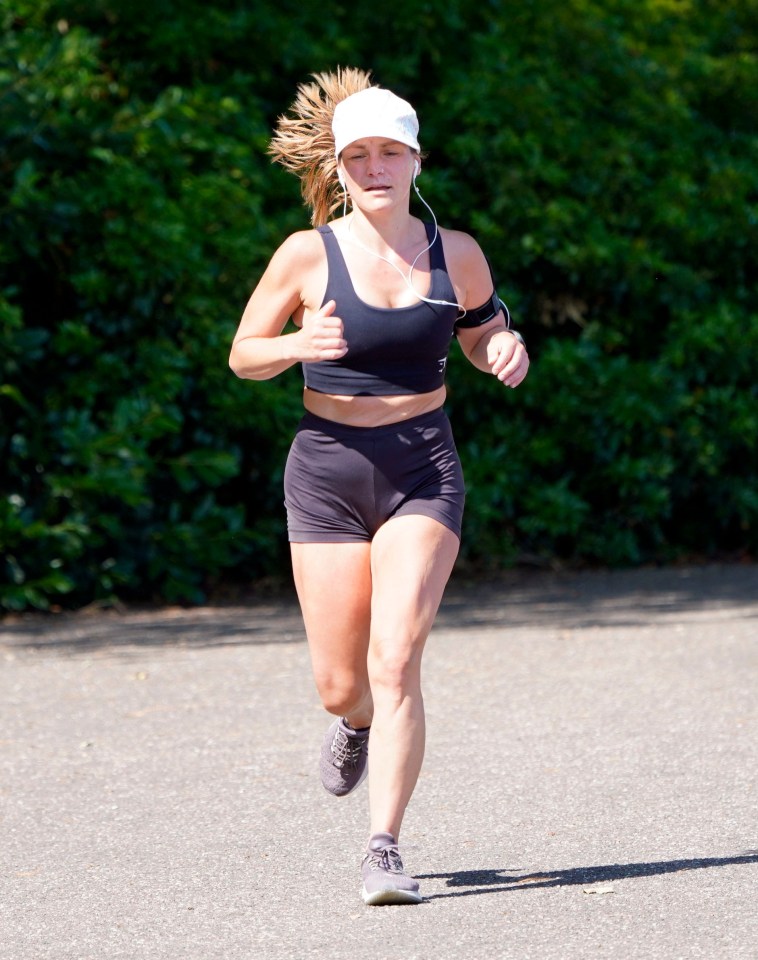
[(342, 483)]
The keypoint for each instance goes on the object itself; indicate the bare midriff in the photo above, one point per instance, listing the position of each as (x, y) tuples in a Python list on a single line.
[(371, 411)]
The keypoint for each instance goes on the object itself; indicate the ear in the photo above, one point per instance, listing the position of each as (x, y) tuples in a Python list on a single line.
[(416, 167), (341, 177)]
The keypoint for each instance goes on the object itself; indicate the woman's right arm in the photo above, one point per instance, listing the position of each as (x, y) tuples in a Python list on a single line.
[(286, 289)]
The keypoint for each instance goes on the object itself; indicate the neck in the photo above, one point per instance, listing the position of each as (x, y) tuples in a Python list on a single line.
[(394, 233)]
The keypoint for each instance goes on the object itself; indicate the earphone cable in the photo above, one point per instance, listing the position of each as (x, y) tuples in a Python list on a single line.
[(409, 278)]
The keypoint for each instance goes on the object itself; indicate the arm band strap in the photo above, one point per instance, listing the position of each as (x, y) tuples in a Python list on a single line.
[(488, 311)]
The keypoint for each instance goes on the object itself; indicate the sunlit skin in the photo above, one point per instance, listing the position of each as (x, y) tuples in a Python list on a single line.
[(368, 607)]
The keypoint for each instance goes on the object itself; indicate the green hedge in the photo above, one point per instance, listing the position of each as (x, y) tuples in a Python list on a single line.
[(603, 153)]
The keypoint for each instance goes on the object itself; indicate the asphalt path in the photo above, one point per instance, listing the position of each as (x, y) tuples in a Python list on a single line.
[(590, 787)]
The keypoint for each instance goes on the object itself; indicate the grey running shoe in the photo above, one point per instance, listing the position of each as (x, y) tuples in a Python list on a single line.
[(344, 758), (384, 880)]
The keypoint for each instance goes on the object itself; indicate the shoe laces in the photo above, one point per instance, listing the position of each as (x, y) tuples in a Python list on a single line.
[(388, 858), (346, 750)]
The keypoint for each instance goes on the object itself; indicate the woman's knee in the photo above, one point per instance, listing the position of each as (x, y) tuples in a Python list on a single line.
[(342, 694), (394, 665)]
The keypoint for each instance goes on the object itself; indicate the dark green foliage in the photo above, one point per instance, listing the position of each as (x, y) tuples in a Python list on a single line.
[(604, 153)]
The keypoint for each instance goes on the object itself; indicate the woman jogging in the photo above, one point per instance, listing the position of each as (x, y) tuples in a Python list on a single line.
[(373, 485)]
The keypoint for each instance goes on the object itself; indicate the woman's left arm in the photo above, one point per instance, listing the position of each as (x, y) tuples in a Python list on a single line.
[(491, 347)]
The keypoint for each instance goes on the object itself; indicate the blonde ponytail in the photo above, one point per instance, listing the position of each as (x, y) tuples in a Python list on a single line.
[(303, 141)]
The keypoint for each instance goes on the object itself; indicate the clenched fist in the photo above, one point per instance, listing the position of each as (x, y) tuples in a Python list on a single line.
[(321, 336), (507, 358)]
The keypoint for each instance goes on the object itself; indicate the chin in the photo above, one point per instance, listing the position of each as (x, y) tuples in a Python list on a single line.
[(378, 200)]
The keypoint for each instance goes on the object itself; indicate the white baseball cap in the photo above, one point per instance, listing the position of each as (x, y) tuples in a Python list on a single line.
[(374, 112)]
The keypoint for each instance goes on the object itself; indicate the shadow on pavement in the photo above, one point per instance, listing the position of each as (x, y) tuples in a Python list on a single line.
[(111, 631), (627, 598), (504, 881), (602, 597)]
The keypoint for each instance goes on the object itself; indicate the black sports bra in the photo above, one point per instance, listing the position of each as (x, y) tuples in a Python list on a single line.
[(390, 351)]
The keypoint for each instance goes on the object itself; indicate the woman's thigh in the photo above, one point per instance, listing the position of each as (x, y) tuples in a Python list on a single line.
[(333, 582), (412, 557)]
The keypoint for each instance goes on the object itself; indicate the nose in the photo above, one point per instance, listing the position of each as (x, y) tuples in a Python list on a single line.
[(375, 165)]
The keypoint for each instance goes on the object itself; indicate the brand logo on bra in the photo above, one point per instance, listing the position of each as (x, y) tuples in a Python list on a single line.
[(442, 364)]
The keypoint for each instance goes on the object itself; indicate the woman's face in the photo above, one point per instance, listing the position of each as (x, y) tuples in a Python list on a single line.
[(377, 171)]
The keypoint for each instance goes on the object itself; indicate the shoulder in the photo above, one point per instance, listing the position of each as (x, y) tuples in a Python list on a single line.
[(296, 271), (287, 283), (467, 266), (295, 262), (460, 244), (301, 248)]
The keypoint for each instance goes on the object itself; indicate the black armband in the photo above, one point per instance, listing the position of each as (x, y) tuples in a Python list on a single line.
[(488, 311)]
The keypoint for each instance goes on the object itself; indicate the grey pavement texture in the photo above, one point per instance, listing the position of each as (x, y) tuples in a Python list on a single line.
[(590, 787)]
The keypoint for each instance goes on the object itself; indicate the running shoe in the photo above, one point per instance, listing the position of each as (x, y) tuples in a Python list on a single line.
[(344, 758), (384, 879)]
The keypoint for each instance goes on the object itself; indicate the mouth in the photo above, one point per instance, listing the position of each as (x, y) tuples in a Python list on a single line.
[(378, 187)]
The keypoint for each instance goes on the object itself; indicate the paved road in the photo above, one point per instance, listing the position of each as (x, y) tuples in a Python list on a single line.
[(590, 788)]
